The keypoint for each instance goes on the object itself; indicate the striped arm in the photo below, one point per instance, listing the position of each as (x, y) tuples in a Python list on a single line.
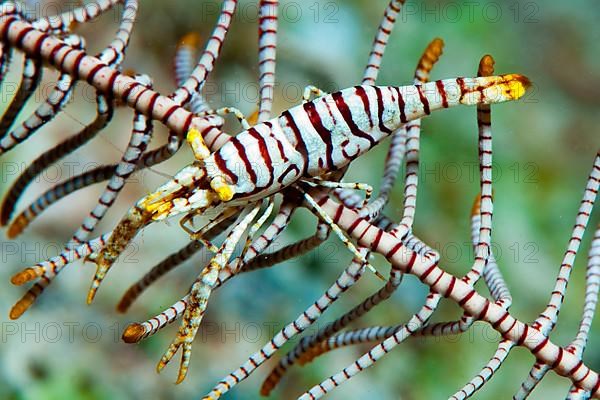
[(393, 162), (52, 105), (185, 55), (413, 132), (411, 181), (485, 202), (195, 82), (417, 245), (6, 51), (267, 50), (87, 12), (534, 377), (136, 332), (501, 295), (547, 319), (350, 276), (492, 275), (380, 42), (576, 393), (201, 291), (486, 372), (592, 287), (306, 350), (449, 328), (88, 178), (105, 79), (138, 142), (45, 271), (169, 263), (481, 213), (104, 114), (162, 153), (564, 363), (157, 272), (183, 65), (32, 72), (5, 59), (368, 359), (495, 282), (312, 346), (351, 200), (407, 135), (114, 53), (288, 252), (61, 190)]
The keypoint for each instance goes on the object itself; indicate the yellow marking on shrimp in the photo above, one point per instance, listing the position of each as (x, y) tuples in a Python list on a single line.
[(516, 85), (505, 87), (224, 190), (196, 141)]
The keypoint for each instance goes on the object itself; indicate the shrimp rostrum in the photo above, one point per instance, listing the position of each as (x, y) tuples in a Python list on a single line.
[(299, 150)]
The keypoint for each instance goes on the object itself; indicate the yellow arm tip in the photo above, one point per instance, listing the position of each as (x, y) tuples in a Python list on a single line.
[(21, 306), (435, 48), (486, 66), (133, 333), (17, 227), (27, 275)]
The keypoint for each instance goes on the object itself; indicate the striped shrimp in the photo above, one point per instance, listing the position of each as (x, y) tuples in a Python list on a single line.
[(299, 150)]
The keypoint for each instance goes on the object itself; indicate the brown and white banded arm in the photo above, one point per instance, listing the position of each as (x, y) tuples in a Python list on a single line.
[(348, 277), (380, 42), (104, 113), (195, 82), (405, 146), (548, 318), (563, 362), (30, 80), (80, 15), (56, 100), (141, 135), (40, 45), (267, 52), (592, 286), (46, 270), (183, 65)]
